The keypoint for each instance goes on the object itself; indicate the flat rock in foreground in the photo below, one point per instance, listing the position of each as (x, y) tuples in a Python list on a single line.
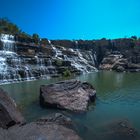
[(9, 114), (71, 95), (49, 128)]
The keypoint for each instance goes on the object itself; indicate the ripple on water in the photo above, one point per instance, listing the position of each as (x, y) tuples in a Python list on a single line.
[(123, 96)]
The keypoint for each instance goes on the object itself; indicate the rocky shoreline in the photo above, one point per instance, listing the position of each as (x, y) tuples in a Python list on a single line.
[(49, 128), (119, 63), (56, 126)]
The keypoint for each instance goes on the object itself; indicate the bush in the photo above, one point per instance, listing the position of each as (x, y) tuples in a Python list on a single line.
[(35, 38), (8, 27), (44, 42), (66, 73), (59, 62)]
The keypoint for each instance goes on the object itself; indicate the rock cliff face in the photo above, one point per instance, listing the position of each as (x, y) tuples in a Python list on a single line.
[(119, 63), (20, 60), (26, 61)]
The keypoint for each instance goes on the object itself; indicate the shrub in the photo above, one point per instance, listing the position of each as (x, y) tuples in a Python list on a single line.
[(35, 38), (66, 73), (59, 62)]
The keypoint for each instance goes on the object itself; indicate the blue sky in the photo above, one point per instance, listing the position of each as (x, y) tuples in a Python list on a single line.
[(74, 19)]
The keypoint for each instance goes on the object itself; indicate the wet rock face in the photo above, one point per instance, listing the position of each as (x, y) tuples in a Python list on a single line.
[(110, 61), (119, 63), (71, 95), (49, 128), (9, 114), (20, 61)]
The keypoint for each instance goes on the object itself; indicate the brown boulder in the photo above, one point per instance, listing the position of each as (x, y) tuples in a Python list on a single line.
[(49, 128), (71, 95), (9, 114)]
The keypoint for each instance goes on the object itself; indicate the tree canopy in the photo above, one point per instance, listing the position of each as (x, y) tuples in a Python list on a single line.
[(7, 26)]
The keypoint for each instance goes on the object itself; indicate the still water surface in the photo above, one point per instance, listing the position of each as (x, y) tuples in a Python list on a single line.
[(118, 98)]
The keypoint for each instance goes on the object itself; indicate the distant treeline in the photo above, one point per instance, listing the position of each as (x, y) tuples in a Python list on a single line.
[(6, 26)]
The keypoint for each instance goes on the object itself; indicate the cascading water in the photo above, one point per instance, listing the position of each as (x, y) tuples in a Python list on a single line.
[(7, 73), (42, 67), (13, 63), (77, 61), (16, 67)]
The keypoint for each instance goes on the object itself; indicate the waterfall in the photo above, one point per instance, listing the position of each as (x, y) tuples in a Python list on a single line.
[(49, 62), (8, 42), (58, 53), (82, 64), (76, 42), (16, 67), (6, 71), (11, 63), (41, 66)]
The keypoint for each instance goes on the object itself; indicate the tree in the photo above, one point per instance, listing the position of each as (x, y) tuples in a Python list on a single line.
[(134, 37), (43, 42), (6, 26), (35, 38)]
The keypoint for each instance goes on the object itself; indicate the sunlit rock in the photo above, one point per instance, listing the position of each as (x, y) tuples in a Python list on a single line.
[(71, 95)]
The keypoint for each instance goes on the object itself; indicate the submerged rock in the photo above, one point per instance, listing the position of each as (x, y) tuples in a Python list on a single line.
[(71, 95), (49, 128), (56, 118), (9, 114), (120, 130)]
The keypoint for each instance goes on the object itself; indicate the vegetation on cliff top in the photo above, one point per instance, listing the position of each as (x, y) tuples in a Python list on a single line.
[(7, 27)]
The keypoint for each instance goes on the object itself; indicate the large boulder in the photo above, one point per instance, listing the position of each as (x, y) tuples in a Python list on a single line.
[(71, 95), (120, 69), (9, 114), (49, 128), (110, 61)]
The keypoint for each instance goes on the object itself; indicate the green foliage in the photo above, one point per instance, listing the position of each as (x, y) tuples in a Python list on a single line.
[(35, 38), (67, 73), (8, 27), (24, 37), (134, 37), (59, 62), (43, 42)]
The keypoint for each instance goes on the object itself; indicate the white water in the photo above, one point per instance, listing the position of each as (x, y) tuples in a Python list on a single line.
[(13, 68), (77, 61), (10, 72)]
